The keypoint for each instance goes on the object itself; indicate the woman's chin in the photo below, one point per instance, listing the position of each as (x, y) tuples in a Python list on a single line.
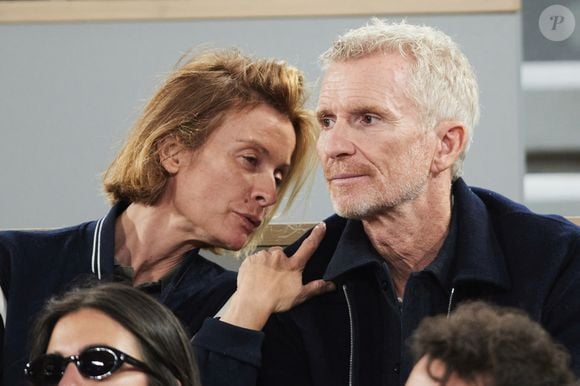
[(233, 239), (236, 244)]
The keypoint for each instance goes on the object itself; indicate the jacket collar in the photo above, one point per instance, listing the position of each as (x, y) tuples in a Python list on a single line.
[(103, 245), (353, 250), (103, 241), (476, 255)]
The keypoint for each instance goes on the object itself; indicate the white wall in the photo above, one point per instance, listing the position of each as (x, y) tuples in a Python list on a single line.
[(70, 92)]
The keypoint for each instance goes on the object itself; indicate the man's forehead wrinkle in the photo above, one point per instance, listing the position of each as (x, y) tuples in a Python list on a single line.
[(352, 92), (358, 99)]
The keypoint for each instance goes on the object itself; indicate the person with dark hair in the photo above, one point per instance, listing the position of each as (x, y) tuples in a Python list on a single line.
[(111, 333), (484, 345), (209, 160)]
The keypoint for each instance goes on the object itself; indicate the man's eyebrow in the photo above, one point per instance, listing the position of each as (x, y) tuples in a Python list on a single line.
[(386, 113), (322, 113)]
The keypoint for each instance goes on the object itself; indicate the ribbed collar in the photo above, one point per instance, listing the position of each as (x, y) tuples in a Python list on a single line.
[(107, 238), (107, 248)]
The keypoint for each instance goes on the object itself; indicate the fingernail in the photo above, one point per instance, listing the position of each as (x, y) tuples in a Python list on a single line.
[(321, 225)]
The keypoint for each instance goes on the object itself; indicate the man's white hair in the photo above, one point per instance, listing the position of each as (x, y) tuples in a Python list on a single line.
[(442, 83)]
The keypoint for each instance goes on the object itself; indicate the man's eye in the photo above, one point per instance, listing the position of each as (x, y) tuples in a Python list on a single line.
[(326, 122), (369, 119)]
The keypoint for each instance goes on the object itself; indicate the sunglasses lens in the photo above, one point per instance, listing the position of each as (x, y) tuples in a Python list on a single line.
[(47, 370), (97, 362)]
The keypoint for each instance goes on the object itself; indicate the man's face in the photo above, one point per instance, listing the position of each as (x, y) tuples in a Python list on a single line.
[(374, 151)]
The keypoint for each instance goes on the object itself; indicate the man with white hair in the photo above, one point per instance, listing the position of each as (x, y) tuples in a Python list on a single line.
[(397, 108)]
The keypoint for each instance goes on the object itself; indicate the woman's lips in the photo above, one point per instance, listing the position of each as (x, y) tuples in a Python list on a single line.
[(251, 222)]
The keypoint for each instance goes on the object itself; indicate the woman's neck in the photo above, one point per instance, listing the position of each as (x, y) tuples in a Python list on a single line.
[(148, 241)]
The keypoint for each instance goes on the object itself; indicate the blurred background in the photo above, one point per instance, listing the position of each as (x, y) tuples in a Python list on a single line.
[(74, 76), (550, 110)]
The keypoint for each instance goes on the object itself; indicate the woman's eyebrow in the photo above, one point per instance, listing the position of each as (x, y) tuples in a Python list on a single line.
[(263, 150), (255, 143)]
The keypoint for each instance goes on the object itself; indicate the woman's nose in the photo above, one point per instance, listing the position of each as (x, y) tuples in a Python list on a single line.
[(265, 191), (71, 376)]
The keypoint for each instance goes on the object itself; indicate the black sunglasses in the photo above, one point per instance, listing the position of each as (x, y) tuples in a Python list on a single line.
[(96, 362)]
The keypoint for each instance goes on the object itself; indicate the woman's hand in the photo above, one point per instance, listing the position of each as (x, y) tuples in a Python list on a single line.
[(269, 281)]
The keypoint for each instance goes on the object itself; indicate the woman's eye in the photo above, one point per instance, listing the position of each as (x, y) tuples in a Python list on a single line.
[(278, 180), (250, 159)]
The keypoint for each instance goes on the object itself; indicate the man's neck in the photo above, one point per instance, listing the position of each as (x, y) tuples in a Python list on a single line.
[(148, 242), (410, 235)]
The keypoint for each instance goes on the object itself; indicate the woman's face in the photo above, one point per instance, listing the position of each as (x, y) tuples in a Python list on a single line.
[(219, 193), (88, 327)]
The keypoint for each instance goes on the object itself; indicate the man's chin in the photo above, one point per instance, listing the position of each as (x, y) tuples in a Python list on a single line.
[(354, 212), (358, 210)]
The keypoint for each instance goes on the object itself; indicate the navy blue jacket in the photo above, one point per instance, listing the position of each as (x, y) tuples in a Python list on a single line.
[(496, 250), (37, 265)]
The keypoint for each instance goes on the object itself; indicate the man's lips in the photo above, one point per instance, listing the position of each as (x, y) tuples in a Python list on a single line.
[(345, 177)]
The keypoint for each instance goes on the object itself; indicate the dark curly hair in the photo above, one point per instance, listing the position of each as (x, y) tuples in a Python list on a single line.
[(501, 345)]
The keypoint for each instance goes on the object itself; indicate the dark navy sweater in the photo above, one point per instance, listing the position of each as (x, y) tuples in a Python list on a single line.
[(496, 250), (35, 265)]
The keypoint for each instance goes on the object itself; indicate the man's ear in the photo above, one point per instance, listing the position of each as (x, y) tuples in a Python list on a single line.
[(169, 149), (452, 139)]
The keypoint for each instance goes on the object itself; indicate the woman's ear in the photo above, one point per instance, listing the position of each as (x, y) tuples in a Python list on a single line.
[(169, 149), (452, 139)]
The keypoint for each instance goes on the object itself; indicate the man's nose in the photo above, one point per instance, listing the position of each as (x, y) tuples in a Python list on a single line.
[(335, 142)]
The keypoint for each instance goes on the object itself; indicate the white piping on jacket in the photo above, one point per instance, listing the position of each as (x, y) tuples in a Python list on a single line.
[(450, 302), (96, 255), (3, 306), (351, 356)]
